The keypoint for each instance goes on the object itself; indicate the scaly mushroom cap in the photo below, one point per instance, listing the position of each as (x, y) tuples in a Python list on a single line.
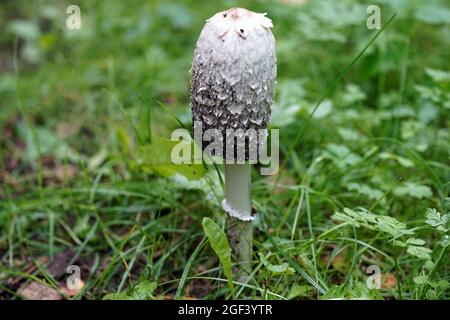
[(233, 72)]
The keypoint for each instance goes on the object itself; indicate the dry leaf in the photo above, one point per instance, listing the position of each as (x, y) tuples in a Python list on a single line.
[(38, 291), (388, 281), (29, 268), (60, 262)]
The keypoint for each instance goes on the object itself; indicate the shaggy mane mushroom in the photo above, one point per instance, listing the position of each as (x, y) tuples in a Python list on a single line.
[(232, 89)]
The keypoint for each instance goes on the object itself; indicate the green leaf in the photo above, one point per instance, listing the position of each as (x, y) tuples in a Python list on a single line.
[(299, 291), (429, 265), (359, 292), (282, 116), (414, 190), (41, 141), (117, 296), (353, 94), (420, 280), (403, 161), (433, 14), (27, 30), (341, 155), (419, 252), (144, 290), (209, 184), (443, 284), (141, 291), (156, 158), (366, 190), (438, 75), (417, 242), (323, 110), (391, 225), (356, 217), (219, 243), (445, 241), (369, 220), (437, 221), (276, 268)]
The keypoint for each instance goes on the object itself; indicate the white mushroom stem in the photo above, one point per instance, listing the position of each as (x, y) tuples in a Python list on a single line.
[(237, 204), (240, 237)]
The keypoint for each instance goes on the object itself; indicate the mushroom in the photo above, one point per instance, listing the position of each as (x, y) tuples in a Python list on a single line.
[(232, 89)]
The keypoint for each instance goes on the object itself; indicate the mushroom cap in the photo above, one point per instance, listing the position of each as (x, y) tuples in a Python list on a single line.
[(234, 71)]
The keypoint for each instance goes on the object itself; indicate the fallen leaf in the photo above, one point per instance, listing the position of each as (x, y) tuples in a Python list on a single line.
[(38, 291), (28, 268), (388, 281), (60, 262)]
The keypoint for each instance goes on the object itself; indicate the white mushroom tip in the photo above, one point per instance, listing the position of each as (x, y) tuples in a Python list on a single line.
[(240, 16), (235, 213)]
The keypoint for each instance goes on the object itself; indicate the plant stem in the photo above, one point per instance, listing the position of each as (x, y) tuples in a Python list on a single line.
[(239, 225)]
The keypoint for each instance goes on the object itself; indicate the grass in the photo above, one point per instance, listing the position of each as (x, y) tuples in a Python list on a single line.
[(364, 144)]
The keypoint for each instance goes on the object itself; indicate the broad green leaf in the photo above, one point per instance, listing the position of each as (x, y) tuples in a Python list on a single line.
[(420, 280), (276, 268), (219, 243), (156, 158)]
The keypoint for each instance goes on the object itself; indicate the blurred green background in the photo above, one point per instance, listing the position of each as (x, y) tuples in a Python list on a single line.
[(84, 114)]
